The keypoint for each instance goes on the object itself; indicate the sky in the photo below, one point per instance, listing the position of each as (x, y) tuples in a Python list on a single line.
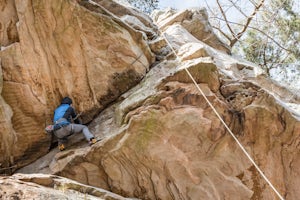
[(181, 4), (233, 15)]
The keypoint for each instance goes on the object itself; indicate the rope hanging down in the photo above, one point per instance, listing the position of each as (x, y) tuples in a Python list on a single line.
[(228, 129)]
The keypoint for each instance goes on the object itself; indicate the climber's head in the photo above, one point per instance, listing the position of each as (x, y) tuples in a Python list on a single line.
[(66, 100)]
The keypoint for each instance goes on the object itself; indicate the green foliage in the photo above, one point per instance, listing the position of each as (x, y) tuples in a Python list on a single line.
[(275, 37)]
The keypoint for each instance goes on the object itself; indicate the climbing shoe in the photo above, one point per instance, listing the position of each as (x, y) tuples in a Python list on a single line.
[(92, 141), (61, 147)]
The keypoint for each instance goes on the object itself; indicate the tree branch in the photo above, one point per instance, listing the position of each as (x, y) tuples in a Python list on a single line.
[(222, 32), (254, 28), (225, 18), (240, 34), (238, 8)]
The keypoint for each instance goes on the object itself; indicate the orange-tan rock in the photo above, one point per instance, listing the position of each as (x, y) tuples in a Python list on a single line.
[(195, 21), (40, 186), (160, 139), (64, 48)]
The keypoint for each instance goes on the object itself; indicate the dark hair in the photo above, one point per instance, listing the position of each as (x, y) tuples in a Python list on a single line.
[(66, 100)]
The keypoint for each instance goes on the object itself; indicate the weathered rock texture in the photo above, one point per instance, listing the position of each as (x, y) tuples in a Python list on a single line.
[(168, 144), (39, 186), (52, 49), (8, 23), (136, 19), (194, 21), (161, 139)]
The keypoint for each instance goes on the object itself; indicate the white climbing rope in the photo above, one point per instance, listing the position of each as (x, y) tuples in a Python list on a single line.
[(220, 118)]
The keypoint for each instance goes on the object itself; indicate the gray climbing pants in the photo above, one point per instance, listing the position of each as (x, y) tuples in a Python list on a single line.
[(63, 133)]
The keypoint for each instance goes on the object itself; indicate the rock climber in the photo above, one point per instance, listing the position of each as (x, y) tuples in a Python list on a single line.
[(63, 126)]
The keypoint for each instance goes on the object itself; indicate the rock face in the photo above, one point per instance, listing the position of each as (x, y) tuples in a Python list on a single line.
[(52, 49), (164, 142), (136, 19), (8, 21), (161, 139), (39, 186), (195, 21)]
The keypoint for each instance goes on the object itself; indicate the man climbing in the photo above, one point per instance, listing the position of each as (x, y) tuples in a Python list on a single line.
[(63, 126)]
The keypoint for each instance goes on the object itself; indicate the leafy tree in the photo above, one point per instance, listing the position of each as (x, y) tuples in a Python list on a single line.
[(269, 34), (275, 37)]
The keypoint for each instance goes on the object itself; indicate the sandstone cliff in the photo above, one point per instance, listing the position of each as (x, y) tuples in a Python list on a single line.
[(52, 49), (161, 139)]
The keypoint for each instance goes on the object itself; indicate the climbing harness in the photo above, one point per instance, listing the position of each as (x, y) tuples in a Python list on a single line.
[(222, 121)]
